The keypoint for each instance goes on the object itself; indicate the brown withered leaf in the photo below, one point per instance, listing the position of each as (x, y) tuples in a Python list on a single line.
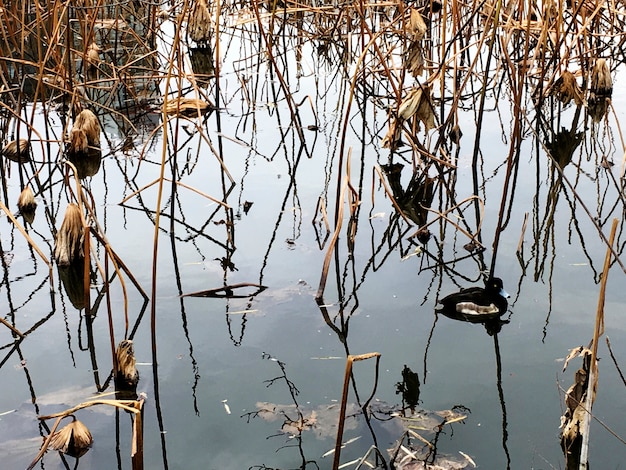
[(426, 111), (414, 58), (580, 351), (394, 132), (17, 151), (410, 103), (566, 89), (417, 27), (188, 107)]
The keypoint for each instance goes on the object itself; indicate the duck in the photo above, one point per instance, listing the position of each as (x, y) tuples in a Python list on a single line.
[(476, 304)]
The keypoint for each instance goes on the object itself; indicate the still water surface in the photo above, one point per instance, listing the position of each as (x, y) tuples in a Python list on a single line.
[(219, 360)]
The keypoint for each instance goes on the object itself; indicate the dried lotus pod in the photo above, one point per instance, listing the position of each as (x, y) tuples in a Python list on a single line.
[(601, 81), (78, 142), (88, 122), (73, 439), (27, 204), (17, 151), (200, 25), (93, 55), (69, 239)]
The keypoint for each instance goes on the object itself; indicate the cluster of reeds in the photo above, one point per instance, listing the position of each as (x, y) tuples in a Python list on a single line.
[(74, 64)]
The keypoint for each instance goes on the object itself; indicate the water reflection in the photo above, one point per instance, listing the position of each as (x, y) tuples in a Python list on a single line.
[(286, 107)]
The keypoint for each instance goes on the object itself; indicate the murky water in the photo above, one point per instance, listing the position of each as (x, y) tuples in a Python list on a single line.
[(255, 381)]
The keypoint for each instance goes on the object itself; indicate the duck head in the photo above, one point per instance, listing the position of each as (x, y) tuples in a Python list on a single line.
[(494, 285)]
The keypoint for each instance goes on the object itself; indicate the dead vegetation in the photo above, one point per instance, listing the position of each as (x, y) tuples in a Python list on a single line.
[(406, 75)]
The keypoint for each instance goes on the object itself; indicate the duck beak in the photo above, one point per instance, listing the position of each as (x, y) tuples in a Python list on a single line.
[(504, 294)]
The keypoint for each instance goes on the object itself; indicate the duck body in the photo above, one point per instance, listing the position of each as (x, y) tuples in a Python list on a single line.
[(476, 304)]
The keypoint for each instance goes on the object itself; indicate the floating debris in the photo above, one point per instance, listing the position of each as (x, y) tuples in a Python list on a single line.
[(73, 439), (17, 151), (69, 239), (187, 107)]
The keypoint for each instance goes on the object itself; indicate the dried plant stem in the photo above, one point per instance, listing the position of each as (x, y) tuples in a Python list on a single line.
[(344, 400), (191, 188), (520, 243), (136, 452), (30, 241), (593, 367), (11, 327), (444, 215), (322, 285), (619, 371), (132, 406)]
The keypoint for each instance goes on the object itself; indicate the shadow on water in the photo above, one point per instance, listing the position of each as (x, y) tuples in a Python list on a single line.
[(168, 159)]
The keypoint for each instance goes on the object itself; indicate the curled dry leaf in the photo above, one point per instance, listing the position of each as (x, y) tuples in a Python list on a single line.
[(566, 89), (78, 141), (417, 27), (414, 58), (126, 376), (88, 122), (410, 103), (93, 55), (426, 111), (418, 103), (580, 351)]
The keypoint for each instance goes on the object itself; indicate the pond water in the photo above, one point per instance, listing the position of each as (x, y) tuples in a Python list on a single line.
[(253, 378)]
